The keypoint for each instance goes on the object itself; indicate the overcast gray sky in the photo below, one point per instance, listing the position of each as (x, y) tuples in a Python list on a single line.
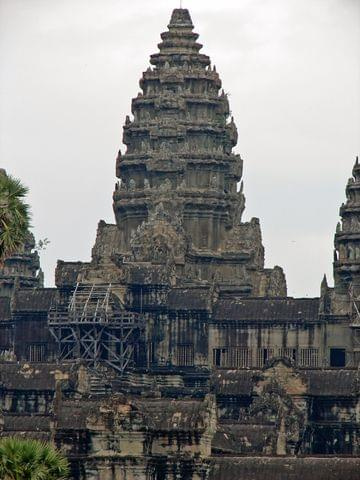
[(69, 69)]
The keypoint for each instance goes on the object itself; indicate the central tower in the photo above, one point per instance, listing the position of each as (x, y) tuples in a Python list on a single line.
[(177, 200), (181, 140)]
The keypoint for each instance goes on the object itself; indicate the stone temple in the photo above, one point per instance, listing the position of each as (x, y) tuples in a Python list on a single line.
[(174, 353)]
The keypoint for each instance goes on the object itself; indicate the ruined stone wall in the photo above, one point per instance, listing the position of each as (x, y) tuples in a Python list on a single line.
[(259, 415), (275, 468)]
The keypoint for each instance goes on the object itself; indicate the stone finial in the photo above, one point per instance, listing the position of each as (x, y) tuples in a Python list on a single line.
[(325, 301), (338, 227), (127, 120), (180, 18), (356, 169)]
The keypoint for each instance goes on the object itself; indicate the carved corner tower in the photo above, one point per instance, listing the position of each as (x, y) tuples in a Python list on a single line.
[(21, 270), (347, 244)]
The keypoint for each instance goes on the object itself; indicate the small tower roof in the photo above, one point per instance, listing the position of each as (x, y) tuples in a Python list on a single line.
[(356, 169), (180, 18), (179, 39), (324, 283)]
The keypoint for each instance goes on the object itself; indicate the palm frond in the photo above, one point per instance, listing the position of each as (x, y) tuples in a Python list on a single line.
[(30, 459), (14, 215)]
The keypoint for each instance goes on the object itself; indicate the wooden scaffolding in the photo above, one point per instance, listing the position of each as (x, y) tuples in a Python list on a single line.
[(94, 326)]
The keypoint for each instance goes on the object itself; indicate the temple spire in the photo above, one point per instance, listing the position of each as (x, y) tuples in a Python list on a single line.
[(179, 127)]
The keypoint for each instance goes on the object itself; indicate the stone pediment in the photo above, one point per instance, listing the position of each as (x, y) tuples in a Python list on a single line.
[(282, 372)]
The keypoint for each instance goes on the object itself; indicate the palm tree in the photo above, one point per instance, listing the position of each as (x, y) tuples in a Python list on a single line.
[(14, 215), (22, 459)]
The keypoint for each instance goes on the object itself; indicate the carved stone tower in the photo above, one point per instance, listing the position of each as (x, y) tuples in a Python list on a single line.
[(180, 140), (21, 270), (347, 239), (177, 199)]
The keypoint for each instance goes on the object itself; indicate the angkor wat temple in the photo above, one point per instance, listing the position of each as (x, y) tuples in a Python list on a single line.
[(174, 353)]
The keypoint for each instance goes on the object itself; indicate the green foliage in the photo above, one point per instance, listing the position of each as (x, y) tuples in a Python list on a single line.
[(14, 215), (22, 459)]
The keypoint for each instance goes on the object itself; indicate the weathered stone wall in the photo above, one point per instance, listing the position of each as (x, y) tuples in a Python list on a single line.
[(290, 468), (223, 375)]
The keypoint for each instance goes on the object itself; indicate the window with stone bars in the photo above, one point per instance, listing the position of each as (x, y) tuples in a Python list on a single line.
[(290, 353), (356, 358), (37, 352), (309, 357), (263, 356), (239, 357), (232, 357), (184, 355)]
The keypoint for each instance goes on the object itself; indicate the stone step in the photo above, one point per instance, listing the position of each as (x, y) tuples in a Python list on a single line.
[(97, 385)]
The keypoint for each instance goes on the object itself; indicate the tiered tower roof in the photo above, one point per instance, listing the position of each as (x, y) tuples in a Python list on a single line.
[(180, 139)]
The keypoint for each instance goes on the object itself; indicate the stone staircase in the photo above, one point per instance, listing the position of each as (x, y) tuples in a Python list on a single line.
[(98, 385)]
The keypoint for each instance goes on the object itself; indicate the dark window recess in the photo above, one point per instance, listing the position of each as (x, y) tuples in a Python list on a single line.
[(265, 355), (220, 357), (151, 353), (337, 357), (217, 356)]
